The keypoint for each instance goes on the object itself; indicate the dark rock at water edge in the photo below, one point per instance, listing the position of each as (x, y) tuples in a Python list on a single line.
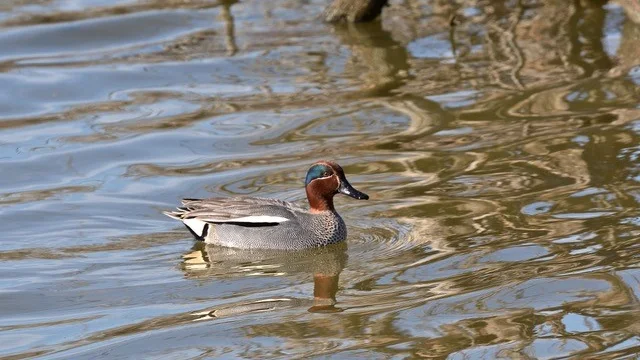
[(353, 10)]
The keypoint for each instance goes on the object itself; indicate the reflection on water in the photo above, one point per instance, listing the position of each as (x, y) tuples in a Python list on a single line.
[(324, 265), (501, 156)]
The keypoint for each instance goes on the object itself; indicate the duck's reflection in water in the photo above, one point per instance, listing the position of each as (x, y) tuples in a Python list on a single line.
[(325, 264)]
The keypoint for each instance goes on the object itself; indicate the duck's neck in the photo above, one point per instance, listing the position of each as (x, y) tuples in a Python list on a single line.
[(319, 203)]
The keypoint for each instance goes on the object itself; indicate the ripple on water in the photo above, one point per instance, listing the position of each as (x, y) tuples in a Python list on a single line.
[(503, 216)]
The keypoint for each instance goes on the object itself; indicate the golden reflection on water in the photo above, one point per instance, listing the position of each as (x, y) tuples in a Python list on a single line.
[(501, 156)]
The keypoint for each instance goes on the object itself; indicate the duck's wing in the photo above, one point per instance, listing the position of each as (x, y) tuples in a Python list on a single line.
[(197, 214)]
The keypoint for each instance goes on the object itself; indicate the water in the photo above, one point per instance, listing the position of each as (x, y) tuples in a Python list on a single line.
[(502, 160)]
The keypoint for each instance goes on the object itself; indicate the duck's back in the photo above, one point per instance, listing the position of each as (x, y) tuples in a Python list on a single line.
[(259, 223), (305, 231)]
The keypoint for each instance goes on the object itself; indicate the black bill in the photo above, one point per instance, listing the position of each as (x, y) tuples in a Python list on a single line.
[(347, 189)]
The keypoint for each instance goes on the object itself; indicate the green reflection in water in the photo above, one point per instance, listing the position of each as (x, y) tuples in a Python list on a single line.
[(501, 156)]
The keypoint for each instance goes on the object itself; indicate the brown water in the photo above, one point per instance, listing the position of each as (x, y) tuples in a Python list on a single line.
[(502, 158)]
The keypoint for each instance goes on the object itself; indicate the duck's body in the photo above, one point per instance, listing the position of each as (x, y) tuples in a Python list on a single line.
[(258, 223), (242, 223)]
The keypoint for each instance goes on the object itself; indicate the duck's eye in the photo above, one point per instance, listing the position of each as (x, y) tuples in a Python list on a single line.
[(325, 174)]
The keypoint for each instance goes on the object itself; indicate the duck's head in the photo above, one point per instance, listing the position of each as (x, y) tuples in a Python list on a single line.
[(324, 180)]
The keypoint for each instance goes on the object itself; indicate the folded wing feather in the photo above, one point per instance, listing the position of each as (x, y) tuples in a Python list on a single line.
[(198, 214)]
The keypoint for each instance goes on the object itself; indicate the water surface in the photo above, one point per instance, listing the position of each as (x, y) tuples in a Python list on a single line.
[(501, 156)]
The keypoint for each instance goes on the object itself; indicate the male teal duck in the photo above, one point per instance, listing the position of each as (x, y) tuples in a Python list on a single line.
[(259, 223)]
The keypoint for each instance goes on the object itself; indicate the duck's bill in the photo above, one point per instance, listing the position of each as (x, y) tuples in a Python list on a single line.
[(347, 189)]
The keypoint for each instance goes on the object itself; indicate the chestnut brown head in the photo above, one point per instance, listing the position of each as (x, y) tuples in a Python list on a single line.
[(324, 180)]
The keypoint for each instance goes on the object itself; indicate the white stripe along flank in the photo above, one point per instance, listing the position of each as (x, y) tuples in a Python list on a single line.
[(198, 225)]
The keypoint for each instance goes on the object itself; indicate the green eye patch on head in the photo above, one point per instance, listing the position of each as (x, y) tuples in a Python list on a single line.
[(317, 171)]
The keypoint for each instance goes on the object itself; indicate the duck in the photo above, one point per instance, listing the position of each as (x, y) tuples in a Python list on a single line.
[(263, 223)]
